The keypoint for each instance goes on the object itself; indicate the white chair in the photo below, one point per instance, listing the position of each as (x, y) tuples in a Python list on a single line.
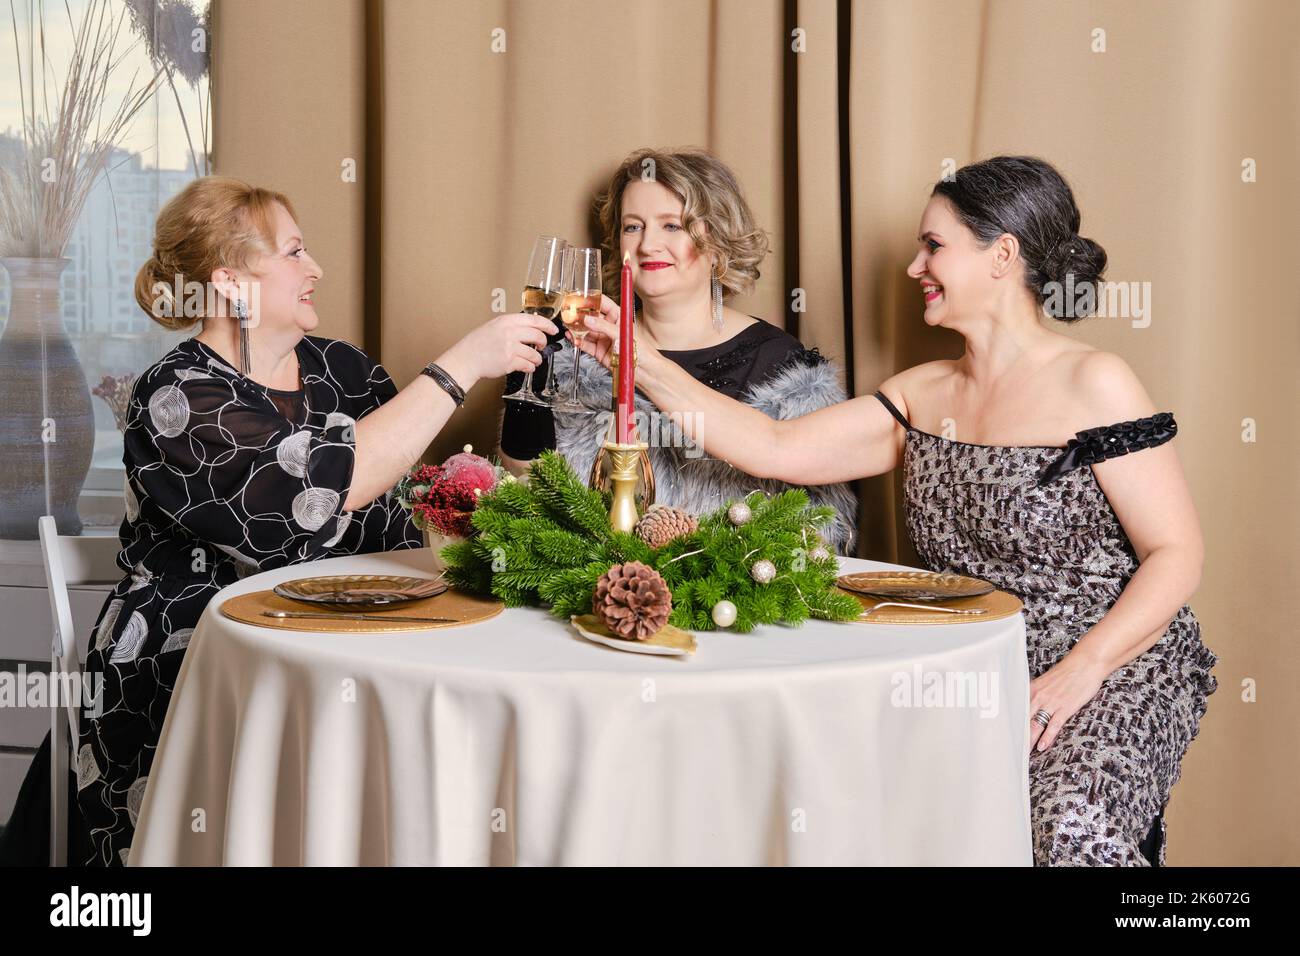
[(68, 560)]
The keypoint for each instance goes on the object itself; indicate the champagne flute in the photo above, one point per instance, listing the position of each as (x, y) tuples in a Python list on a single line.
[(582, 288), (543, 290)]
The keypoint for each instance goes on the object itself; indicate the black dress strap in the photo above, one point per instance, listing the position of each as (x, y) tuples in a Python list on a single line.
[(894, 411), (1110, 441)]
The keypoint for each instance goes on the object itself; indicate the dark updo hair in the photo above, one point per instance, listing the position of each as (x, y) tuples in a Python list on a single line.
[(1028, 198)]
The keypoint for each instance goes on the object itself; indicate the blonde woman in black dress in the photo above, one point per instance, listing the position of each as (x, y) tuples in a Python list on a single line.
[(693, 244), (238, 463), (1038, 463)]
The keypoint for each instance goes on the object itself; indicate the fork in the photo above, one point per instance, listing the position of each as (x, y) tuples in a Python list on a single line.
[(925, 607), (344, 616)]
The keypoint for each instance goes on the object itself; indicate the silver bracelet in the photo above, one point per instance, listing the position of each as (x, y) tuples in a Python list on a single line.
[(445, 381)]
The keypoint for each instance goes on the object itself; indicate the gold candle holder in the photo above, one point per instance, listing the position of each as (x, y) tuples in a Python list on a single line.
[(602, 466), (624, 472), (619, 467)]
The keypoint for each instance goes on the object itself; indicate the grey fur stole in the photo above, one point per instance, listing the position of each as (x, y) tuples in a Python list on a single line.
[(685, 475)]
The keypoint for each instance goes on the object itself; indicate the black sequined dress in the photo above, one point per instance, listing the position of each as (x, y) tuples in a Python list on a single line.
[(1035, 522)]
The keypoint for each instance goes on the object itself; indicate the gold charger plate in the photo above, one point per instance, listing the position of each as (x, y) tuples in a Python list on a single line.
[(464, 607), (913, 585), (358, 592), (667, 640), (996, 605)]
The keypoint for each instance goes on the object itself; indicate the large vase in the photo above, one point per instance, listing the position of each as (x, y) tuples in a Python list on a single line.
[(47, 424)]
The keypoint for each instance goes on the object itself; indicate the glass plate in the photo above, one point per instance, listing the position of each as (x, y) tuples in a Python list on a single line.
[(914, 585), (353, 591)]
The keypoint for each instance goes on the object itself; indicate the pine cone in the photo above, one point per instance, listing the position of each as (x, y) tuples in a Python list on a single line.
[(662, 523), (633, 600)]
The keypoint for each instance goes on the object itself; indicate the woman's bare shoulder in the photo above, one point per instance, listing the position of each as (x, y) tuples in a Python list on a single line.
[(1106, 388), (916, 381)]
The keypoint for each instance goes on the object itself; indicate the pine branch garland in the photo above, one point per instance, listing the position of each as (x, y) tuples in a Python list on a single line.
[(548, 541), (566, 500), (514, 498), (564, 548)]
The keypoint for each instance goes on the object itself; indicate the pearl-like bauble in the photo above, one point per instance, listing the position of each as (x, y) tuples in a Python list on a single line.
[(724, 614)]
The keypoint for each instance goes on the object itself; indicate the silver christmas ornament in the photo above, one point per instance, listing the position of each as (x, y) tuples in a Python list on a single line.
[(763, 571), (739, 513)]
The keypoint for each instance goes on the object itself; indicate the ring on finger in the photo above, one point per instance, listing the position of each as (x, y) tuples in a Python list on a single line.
[(1043, 718)]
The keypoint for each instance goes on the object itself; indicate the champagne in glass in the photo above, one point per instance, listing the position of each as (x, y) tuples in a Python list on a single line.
[(543, 290), (542, 302), (581, 299), (546, 304), (575, 308)]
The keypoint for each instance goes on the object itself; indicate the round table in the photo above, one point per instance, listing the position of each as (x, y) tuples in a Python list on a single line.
[(516, 741)]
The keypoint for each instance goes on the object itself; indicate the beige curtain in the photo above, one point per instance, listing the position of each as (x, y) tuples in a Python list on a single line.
[(838, 116)]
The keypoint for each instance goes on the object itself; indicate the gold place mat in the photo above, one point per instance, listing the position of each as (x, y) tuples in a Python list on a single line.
[(996, 605), (464, 607)]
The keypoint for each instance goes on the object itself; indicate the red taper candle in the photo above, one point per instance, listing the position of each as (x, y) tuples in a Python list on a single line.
[(626, 385)]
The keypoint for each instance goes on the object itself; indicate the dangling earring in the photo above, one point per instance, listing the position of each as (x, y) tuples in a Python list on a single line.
[(241, 314), (717, 303)]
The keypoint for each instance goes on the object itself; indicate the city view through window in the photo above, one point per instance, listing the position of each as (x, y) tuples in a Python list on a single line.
[(166, 144)]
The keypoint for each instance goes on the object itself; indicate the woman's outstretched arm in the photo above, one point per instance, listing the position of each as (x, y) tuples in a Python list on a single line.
[(853, 439), (393, 437)]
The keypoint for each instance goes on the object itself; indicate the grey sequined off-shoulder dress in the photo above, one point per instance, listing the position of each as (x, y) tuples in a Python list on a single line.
[(1035, 522)]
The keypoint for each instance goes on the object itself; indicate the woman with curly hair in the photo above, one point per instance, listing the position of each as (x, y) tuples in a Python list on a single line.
[(680, 215)]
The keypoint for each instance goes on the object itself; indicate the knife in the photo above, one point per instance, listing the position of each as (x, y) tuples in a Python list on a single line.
[(353, 616)]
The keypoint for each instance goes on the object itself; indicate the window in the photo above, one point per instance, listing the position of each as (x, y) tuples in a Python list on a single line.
[(166, 145)]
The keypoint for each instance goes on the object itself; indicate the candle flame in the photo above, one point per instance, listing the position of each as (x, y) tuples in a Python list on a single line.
[(626, 257)]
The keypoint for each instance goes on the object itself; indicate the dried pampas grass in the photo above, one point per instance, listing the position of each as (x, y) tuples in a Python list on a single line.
[(66, 149)]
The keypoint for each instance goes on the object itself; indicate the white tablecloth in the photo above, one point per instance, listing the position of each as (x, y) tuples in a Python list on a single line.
[(515, 741)]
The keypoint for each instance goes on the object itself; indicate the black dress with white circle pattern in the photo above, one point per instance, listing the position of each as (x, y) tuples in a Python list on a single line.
[(219, 484), (1035, 522)]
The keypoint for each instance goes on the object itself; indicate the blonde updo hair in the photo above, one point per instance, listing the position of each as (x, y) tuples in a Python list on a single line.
[(214, 222), (714, 213)]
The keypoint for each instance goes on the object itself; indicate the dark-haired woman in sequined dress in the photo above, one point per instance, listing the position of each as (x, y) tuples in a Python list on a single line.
[(1040, 464)]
